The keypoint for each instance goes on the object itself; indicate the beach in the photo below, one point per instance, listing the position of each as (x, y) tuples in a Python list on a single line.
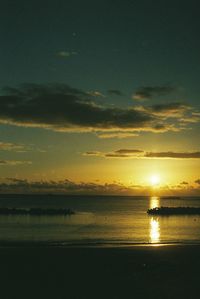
[(34, 271)]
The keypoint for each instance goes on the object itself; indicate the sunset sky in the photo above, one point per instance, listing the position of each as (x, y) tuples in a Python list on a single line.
[(100, 97)]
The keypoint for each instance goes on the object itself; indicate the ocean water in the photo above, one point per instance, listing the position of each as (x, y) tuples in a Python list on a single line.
[(99, 220)]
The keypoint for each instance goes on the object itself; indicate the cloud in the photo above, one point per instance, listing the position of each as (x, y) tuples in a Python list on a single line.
[(96, 93), (147, 92), (115, 92), (196, 113), (121, 153), (17, 185), (13, 162), (61, 108), (65, 186), (118, 135), (129, 151), (93, 153), (184, 183), (141, 154), (8, 146), (197, 181), (116, 155), (193, 118), (173, 155), (66, 54), (166, 110), (19, 148)]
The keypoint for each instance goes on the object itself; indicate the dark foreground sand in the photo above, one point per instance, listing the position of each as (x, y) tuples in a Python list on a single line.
[(133, 272)]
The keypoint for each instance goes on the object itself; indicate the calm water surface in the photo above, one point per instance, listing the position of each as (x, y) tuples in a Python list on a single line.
[(99, 219)]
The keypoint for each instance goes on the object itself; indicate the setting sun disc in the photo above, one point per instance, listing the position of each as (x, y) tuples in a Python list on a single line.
[(155, 180)]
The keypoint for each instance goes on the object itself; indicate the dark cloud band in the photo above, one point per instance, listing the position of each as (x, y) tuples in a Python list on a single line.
[(140, 154), (62, 108)]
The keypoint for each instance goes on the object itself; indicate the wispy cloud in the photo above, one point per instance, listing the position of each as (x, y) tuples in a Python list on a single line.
[(168, 110), (129, 151), (174, 155), (193, 118), (148, 92), (96, 93), (8, 146), (13, 162), (119, 135), (115, 92), (93, 153), (19, 148), (66, 54), (141, 154), (121, 153)]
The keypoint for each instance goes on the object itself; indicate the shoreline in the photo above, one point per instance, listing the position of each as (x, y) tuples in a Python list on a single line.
[(64, 244), (167, 272)]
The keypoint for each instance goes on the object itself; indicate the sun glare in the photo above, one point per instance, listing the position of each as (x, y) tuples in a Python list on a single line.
[(155, 180)]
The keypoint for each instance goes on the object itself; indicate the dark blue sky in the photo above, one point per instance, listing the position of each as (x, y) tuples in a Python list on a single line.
[(118, 44)]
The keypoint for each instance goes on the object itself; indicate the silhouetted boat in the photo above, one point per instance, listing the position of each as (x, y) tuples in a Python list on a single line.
[(35, 211), (174, 211)]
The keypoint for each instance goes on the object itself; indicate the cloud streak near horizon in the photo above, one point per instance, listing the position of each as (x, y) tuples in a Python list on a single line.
[(17, 185), (141, 154)]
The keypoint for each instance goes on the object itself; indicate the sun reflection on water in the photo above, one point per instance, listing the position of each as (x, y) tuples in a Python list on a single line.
[(154, 225), (154, 230), (154, 202)]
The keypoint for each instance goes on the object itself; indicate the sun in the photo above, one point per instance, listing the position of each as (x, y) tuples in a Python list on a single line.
[(155, 180)]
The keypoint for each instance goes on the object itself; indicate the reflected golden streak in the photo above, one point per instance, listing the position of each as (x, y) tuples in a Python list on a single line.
[(154, 223), (154, 202), (154, 231)]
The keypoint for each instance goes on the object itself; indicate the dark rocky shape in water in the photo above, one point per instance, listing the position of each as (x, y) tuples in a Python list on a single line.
[(174, 211), (35, 211)]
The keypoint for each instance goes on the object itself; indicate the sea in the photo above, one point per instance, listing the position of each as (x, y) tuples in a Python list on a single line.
[(98, 220)]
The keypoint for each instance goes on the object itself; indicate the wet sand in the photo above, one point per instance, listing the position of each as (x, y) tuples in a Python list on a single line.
[(94, 272)]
